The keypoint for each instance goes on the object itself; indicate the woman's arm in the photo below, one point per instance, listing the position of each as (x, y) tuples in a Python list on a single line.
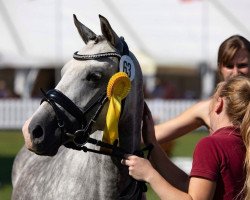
[(198, 189), (141, 169), (166, 179), (159, 159), (168, 170), (194, 117)]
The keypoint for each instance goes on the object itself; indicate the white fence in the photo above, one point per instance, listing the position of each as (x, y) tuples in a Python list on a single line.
[(13, 112), (166, 109)]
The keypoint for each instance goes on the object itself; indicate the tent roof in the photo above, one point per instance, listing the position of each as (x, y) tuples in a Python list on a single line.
[(170, 32)]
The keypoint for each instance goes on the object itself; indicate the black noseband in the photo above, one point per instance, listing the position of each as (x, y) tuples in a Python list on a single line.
[(85, 117)]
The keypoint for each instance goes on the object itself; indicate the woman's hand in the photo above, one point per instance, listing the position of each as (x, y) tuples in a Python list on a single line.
[(139, 168), (148, 132)]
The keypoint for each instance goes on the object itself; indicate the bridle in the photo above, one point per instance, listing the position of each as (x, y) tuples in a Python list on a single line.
[(87, 116)]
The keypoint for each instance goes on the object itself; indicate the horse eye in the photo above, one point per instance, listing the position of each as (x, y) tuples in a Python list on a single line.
[(96, 76)]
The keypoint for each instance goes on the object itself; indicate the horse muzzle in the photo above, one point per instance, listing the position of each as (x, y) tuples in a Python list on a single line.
[(41, 136)]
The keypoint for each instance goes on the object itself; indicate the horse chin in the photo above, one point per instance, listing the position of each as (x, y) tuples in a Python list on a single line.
[(50, 152), (44, 149), (42, 152)]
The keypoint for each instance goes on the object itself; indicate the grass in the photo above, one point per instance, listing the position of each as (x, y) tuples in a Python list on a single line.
[(184, 146), (12, 141)]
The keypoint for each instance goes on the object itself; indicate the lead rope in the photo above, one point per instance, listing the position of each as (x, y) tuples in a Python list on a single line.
[(116, 151), (138, 187)]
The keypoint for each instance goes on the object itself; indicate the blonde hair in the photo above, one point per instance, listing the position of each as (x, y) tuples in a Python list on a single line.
[(236, 92)]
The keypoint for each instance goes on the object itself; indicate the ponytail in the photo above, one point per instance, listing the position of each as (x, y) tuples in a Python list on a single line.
[(245, 132), (236, 91)]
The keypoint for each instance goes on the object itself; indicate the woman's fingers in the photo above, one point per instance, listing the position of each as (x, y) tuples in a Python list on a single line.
[(128, 159), (138, 167)]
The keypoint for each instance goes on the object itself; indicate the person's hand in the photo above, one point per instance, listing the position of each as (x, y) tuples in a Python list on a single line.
[(148, 132), (139, 168)]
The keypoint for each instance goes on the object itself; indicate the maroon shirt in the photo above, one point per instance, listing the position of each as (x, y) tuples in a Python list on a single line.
[(220, 158)]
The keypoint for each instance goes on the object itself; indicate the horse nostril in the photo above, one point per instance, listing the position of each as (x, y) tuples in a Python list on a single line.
[(37, 132)]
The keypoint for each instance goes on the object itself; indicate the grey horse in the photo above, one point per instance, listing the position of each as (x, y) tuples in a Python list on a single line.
[(53, 165)]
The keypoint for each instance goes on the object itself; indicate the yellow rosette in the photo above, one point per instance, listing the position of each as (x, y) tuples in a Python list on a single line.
[(118, 88)]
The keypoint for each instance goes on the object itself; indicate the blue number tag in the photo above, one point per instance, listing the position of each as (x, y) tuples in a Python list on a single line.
[(126, 65)]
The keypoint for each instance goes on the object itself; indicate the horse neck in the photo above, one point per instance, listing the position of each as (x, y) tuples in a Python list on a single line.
[(131, 118)]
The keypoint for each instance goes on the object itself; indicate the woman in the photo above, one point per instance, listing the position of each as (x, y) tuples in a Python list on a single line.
[(233, 60), (219, 161)]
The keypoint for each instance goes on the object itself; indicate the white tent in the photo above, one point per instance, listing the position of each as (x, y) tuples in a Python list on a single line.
[(41, 33), (170, 32)]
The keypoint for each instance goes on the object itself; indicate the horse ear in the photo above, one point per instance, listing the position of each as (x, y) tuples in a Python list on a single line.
[(85, 33), (108, 32)]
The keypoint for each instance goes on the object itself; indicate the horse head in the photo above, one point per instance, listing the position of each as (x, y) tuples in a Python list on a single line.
[(63, 116)]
